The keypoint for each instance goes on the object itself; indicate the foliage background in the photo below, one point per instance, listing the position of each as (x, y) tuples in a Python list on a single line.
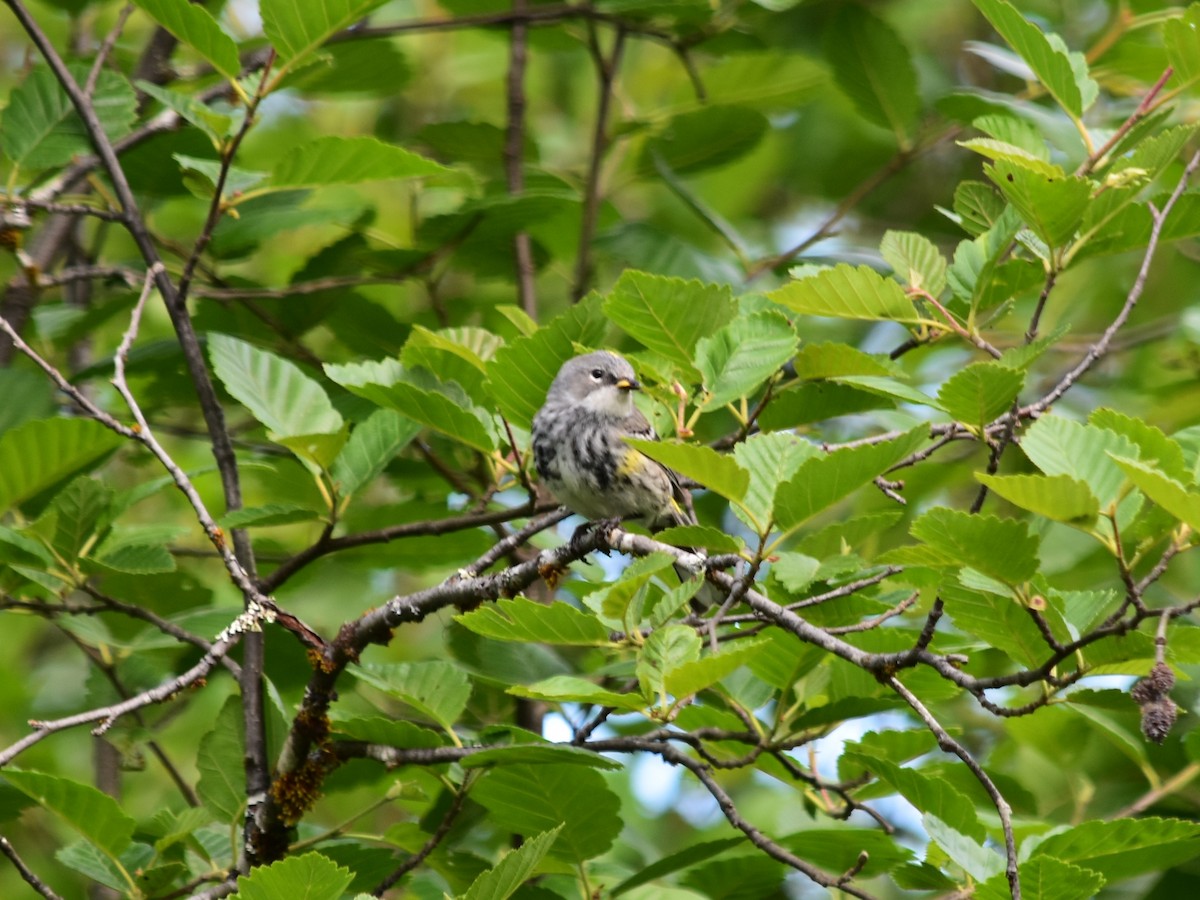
[(742, 139)]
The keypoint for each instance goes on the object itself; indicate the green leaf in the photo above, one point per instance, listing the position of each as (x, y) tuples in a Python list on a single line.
[(999, 621), (135, 558), (669, 315), (40, 128), (979, 393), (915, 260), (846, 292), (521, 372), (371, 446), (522, 619), (348, 160), (927, 794), (712, 539), (1052, 205), (195, 26), (268, 515), (824, 480), (1044, 878), (216, 126), (830, 360), (771, 459), (420, 396), (539, 754), (309, 876), (222, 784), (1000, 548), (667, 648), (378, 730), (872, 66), (1154, 447), (994, 150), (795, 571), (1060, 446), (1122, 848), (79, 511), (978, 206), (1163, 490), (718, 472), (1063, 74), (529, 800), (978, 861), (569, 689), (455, 354), (1181, 37), (27, 396), (703, 139), (45, 452), (742, 355), (274, 389), (1058, 497), (92, 813), (435, 688), (503, 880), (688, 678), (297, 29), (683, 859)]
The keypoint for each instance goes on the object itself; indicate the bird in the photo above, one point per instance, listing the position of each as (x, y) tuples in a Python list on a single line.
[(581, 455)]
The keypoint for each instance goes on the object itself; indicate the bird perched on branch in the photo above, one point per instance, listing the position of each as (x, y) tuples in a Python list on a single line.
[(581, 455)]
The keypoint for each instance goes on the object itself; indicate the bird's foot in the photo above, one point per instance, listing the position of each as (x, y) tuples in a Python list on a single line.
[(599, 526)]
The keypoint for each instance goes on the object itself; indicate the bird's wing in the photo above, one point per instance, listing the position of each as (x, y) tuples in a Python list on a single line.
[(637, 425)]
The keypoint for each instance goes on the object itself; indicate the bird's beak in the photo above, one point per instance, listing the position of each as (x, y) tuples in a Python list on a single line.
[(628, 384)]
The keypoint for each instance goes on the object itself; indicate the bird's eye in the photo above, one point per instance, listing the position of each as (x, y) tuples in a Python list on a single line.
[(597, 374)]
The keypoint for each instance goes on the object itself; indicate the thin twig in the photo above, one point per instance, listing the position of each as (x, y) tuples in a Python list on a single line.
[(514, 152), (26, 873)]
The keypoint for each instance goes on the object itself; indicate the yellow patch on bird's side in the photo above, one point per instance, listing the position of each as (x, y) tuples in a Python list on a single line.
[(632, 463)]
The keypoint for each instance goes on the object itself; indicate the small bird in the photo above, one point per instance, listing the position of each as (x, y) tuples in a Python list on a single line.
[(582, 457), (580, 452)]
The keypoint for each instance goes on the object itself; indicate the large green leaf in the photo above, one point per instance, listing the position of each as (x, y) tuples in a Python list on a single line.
[(569, 689), (522, 619), (928, 794), (872, 65), (669, 315), (1181, 37), (667, 648), (1168, 493), (1052, 205), (529, 800), (371, 446), (503, 880), (420, 396), (1045, 878), (94, 814), (1058, 497), (824, 480), (274, 389), (348, 160), (708, 137), (979, 393), (687, 678), (437, 689), (1059, 446), (771, 459), (716, 471), (195, 26), (298, 29), (1002, 549), (1122, 848), (682, 859), (309, 876), (1062, 73), (45, 452), (847, 292), (999, 621), (915, 260), (40, 128), (742, 355), (222, 784)]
